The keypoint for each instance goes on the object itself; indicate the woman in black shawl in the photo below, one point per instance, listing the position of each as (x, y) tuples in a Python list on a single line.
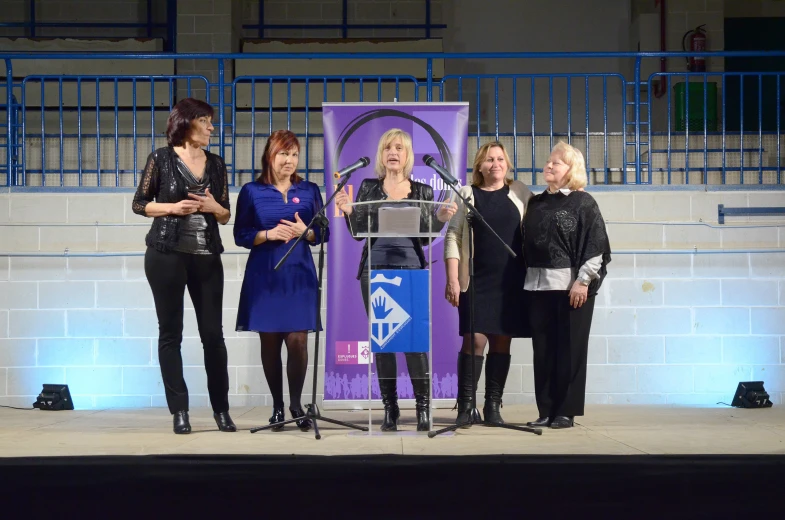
[(566, 250)]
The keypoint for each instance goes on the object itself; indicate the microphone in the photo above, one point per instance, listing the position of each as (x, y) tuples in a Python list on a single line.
[(444, 174), (361, 163)]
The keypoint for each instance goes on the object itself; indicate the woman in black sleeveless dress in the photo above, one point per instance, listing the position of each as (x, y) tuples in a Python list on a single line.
[(498, 277)]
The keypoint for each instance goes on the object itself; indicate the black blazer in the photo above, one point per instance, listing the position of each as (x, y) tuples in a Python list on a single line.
[(161, 182), (371, 189)]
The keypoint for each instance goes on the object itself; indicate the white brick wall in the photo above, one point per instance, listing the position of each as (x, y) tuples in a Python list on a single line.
[(667, 329)]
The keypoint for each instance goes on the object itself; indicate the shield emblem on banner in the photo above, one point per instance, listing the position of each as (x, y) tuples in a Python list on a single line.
[(399, 312), (388, 317)]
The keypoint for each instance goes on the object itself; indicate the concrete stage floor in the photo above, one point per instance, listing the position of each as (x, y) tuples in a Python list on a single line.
[(604, 430)]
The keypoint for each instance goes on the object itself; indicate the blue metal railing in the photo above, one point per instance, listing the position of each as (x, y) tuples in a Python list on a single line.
[(88, 130), (92, 84), (532, 134), (306, 82), (723, 212), (701, 129)]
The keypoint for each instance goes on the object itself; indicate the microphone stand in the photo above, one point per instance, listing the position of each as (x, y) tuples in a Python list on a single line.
[(472, 217), (312, 410)]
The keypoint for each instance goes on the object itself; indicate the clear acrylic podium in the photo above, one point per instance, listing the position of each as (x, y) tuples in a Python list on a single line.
[(398, 300)]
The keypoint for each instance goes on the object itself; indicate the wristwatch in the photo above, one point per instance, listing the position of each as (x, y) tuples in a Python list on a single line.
[(584, 281)]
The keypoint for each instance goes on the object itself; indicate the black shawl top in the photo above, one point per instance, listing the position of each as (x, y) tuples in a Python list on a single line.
[(561, 231)]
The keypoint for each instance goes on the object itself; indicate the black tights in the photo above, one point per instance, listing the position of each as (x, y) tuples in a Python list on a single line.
[(296, 364), (496, 344)]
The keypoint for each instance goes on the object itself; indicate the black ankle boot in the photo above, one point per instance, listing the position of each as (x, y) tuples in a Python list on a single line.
[(465, 385), (423, 404), (388, 389), (391, 412), (386, 368), (497, 366), (224, 422), (181, 422), (277, 417), (418, 372)]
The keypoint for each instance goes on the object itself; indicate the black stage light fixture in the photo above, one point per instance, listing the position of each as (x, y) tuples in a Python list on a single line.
[(751, 394), (54, 397)]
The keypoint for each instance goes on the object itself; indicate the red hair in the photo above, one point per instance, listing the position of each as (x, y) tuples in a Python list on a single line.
[(278, 140)]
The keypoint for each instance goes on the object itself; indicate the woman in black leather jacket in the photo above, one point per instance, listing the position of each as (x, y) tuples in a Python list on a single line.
[(185, 189), (394, 164)]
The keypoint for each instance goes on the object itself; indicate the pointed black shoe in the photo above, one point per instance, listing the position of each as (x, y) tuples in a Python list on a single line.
[(277, 417), (224, 422), (560, 422), (542, 422), (303, 424), (181, 422)]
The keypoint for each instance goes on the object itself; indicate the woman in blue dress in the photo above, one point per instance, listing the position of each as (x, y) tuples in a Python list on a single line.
[(280, 305)]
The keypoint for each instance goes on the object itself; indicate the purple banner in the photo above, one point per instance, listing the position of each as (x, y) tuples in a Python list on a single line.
[(351, 131)]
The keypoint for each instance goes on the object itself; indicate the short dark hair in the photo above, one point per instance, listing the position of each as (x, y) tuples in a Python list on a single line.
[(278, 140), (179, 124)]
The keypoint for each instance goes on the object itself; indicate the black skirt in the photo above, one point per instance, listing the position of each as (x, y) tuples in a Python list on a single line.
[(498, 278)]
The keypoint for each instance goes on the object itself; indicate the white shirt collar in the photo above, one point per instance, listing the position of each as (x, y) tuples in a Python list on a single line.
[(565, 191)]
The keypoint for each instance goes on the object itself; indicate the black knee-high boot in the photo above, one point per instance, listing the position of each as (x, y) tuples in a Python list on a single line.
[(465, 384), (418, 372), (386, 367), (497, 366)]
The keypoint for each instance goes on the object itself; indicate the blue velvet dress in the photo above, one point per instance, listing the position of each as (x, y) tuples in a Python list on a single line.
[(282, 300)]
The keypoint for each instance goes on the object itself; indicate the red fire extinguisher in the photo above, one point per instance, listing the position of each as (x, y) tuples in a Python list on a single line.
[(697, 44)]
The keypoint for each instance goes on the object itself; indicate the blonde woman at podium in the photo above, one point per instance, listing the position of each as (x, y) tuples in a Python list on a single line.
[(394, 164), (498, 278)]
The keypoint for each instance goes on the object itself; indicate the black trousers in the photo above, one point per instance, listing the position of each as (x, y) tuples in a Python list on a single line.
[(387, 365), (560, 338), (169, 274)]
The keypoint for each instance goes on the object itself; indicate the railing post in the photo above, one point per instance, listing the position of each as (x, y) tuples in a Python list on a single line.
[(149, 18), (345, 19), (428, 19), (171, 25), (429, 73), (637, 84), (9, 141), (221, 141), (32, 19)]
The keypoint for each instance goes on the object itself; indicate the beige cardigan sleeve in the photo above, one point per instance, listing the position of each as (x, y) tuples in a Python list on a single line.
[(453, 238)]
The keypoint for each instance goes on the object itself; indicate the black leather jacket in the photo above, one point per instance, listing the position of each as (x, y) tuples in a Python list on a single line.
[(371, 189), (160, 182)]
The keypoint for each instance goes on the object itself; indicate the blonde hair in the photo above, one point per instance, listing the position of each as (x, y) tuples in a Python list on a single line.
[(388, 137), (479, 158), (572, 157)]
